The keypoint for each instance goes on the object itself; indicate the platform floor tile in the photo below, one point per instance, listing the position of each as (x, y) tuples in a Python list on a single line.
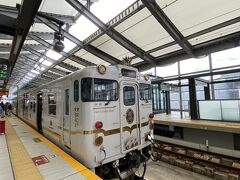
[(5, 164), (50, 165)]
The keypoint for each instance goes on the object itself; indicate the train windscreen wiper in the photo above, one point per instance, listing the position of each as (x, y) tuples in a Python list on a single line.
[(107, 103)]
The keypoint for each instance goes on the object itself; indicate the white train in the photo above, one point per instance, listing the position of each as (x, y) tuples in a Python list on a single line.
[(100, 115)]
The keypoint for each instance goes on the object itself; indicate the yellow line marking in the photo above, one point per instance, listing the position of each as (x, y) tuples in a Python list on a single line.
[(22, 164), (73, 162)]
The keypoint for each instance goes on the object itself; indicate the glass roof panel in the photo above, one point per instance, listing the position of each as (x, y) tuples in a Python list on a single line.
[(144, 30), (69, 45), (47, 63), (108, 9), (57, 7), (30, 74), (192, 16), (112, 47), (83, 28), (35, 72), (54, 55)]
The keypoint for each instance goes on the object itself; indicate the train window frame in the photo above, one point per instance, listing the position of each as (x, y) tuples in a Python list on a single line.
[(149, 91), (52, 104), (124, 99), (67, 102), (76, 91), (92, 92)]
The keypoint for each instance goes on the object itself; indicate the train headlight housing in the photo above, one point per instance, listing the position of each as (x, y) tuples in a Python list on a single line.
[(99, 125), (151, 115), (98, 140), (101, 69), (146, 77)]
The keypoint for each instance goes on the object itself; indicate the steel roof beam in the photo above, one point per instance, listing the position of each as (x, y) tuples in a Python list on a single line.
[(24, 21), (28, 58), (66, 55), (19, 69), (167, 24), (121, 17), (47, 77), (68, 66), (88, 47), (33, 51), (58, 71), (118, 37), (13, 12), (7, 47), (49, 74)]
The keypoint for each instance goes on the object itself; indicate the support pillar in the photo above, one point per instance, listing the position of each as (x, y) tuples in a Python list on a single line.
[(193, 99), (168, 104), (207, 92)]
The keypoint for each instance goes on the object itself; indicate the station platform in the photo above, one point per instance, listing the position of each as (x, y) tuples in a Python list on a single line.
[(205, 135), (26, 154), (175, 120)]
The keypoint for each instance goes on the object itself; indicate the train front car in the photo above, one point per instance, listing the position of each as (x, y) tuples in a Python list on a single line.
[(115, 120)]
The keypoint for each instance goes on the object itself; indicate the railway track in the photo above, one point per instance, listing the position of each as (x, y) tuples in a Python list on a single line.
[(213, 165)]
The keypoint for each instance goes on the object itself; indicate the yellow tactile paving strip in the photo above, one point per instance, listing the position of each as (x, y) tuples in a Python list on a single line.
[(22, 164), (74, 163)]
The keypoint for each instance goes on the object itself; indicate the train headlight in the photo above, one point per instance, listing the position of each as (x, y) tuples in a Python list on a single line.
[(99, 125), (101, 69), (151, 115), (98, 140), (146, 77)]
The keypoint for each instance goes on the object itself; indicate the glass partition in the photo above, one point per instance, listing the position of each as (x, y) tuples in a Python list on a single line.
[(210, 110), (220, 110)]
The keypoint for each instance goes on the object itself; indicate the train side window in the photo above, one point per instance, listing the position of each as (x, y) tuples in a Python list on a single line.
[(86, 89), (52, 104), (76, 91), (128, 95), (105, 90), (66, 101), (145, 91)]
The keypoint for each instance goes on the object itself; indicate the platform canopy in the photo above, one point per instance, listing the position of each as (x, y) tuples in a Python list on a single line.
[(150, 32)]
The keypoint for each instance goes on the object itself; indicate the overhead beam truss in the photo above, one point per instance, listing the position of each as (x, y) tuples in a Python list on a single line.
[(118, 37)]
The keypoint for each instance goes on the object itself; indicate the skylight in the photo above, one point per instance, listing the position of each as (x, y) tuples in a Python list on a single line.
[(28, 77), (30, 74), (34, 71), (104, 10), (83, 28), (108, 9), (47, 63), (69, 45), (54, 55), (41, 60)]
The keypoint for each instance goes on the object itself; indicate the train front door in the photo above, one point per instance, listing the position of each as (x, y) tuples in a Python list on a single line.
[(130, 124), (39, 113), (66, 119)]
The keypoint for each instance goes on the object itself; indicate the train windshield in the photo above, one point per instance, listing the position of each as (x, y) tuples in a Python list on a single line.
[(94, 89), (145, 91)]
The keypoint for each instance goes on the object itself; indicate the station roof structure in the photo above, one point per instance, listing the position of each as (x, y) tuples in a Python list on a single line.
[(150, 32)]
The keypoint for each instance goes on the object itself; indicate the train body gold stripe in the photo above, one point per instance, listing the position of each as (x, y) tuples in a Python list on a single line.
[(95, 131)]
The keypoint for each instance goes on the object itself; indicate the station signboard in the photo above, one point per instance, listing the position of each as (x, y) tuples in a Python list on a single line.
[(3, 68)]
